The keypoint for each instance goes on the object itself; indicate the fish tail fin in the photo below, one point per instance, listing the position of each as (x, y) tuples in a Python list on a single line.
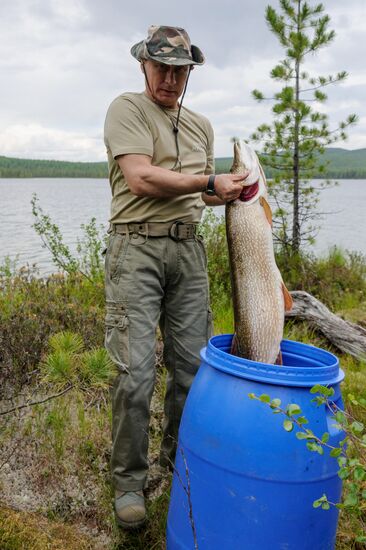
[(234, 346), (279, 360)]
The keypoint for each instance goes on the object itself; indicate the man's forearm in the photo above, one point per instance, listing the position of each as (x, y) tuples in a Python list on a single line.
[(212, 200), (157, 182), (146, 180)]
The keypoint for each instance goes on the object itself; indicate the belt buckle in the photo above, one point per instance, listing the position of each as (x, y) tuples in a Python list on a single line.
[(173, 231)]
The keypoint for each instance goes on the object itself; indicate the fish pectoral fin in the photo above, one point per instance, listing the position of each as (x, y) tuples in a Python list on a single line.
[(287, 297), (267, 209)]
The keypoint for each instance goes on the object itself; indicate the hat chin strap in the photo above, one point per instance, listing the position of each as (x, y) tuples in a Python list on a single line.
[(176, 123), (156, 100)]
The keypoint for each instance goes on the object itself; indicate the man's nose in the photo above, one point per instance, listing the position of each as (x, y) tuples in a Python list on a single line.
[(170, 77)]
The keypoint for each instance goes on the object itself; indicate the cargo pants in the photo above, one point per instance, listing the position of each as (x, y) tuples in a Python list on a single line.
[(152, 280)]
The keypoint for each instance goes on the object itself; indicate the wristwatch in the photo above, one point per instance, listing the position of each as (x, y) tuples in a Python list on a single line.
[(210, 189)]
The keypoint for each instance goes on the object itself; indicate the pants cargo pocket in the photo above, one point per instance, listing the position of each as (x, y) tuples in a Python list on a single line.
[(116, 252), (117, 335)]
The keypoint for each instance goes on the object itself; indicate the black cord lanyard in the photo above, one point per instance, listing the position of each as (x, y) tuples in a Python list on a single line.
[(175, 123)]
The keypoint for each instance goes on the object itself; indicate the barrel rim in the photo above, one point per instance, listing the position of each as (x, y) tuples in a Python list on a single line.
[(324, 367)]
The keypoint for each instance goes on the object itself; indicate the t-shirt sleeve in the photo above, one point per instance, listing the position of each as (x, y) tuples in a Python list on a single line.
[(126, 129), (210, 165)]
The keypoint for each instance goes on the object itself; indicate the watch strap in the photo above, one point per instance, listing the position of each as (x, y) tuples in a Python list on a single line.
[(210, 189)]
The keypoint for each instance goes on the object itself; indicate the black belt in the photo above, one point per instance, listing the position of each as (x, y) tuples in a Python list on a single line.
[(177, 230)]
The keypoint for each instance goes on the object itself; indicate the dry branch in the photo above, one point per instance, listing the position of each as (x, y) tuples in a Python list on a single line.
[(347, 337)]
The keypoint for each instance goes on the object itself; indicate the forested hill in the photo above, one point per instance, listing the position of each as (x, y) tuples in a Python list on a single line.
[(27, 168), (342, 164)]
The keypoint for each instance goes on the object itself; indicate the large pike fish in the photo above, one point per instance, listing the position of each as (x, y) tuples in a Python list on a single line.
[(259, 295)]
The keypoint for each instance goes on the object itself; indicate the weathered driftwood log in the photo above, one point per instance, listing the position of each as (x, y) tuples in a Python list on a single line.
[(348, 337)]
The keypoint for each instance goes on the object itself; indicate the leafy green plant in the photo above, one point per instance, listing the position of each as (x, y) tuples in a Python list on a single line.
[(350, 452), (89, 247), (213, 231)]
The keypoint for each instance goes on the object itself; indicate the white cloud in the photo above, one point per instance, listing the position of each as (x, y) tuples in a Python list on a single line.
[(38, 142), (63, 61)]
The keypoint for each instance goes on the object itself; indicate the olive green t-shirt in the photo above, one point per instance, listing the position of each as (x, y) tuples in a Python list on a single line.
[(135, 124)]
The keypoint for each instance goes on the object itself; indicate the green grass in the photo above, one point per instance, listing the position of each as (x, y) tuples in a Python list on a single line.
[(28, 531)]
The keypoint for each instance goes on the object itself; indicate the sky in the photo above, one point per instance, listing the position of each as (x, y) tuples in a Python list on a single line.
[(63, 61)]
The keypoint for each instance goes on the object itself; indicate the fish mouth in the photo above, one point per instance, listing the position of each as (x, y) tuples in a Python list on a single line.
[(249, 191)]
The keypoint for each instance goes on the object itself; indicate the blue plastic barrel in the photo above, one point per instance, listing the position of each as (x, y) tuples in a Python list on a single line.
[(241, 481)]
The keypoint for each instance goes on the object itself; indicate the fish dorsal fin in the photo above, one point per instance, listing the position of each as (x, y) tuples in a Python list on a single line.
[(267, 209), (287, 297)]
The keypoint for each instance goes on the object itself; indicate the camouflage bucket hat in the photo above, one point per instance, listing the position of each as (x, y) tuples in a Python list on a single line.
[(169, 45)]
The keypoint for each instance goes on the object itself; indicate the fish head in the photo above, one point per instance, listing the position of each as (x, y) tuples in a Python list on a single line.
[(246, 160)]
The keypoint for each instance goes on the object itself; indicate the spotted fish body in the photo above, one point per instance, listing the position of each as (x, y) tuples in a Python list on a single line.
[(259, 295)]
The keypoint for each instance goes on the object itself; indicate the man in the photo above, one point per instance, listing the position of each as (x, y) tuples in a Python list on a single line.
[(160, 158)]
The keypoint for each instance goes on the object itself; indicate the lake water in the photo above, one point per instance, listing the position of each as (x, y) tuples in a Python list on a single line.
[(72, 202)]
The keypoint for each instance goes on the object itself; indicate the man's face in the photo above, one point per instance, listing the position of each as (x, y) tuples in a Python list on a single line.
[(166, 82)]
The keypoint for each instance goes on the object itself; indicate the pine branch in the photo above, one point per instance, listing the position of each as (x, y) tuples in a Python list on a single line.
[(31, 404)]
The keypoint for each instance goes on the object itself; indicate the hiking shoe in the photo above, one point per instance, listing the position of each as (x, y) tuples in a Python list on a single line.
[(130, 509)]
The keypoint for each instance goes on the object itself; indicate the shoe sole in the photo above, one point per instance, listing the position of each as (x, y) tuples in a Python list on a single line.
[(129, 524)]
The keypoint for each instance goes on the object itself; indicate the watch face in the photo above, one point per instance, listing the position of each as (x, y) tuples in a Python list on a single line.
[(210, 192)]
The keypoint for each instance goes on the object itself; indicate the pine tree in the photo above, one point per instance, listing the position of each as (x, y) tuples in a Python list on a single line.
[(293, 143)]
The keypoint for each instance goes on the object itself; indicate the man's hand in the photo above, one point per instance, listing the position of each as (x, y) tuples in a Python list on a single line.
[(229, 186)]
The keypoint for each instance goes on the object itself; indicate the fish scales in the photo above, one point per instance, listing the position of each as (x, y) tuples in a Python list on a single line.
[(257, 285)]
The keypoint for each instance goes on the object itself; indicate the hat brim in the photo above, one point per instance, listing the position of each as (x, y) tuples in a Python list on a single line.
[(197, 56)]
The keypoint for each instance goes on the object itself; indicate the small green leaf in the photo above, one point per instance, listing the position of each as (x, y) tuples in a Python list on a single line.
[(325, 437), (318, 388), (350, 500), (320, 501), (252, 395), (301, 435), (288, 425), (343, 473), (302, 420), (275, 403), (319, 400), (359, 473), (352, 399), (312, 446), (264, 398), (335, 452), (357, 427), (361, 538), (292, 409), (326, 506), (340, 417)]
